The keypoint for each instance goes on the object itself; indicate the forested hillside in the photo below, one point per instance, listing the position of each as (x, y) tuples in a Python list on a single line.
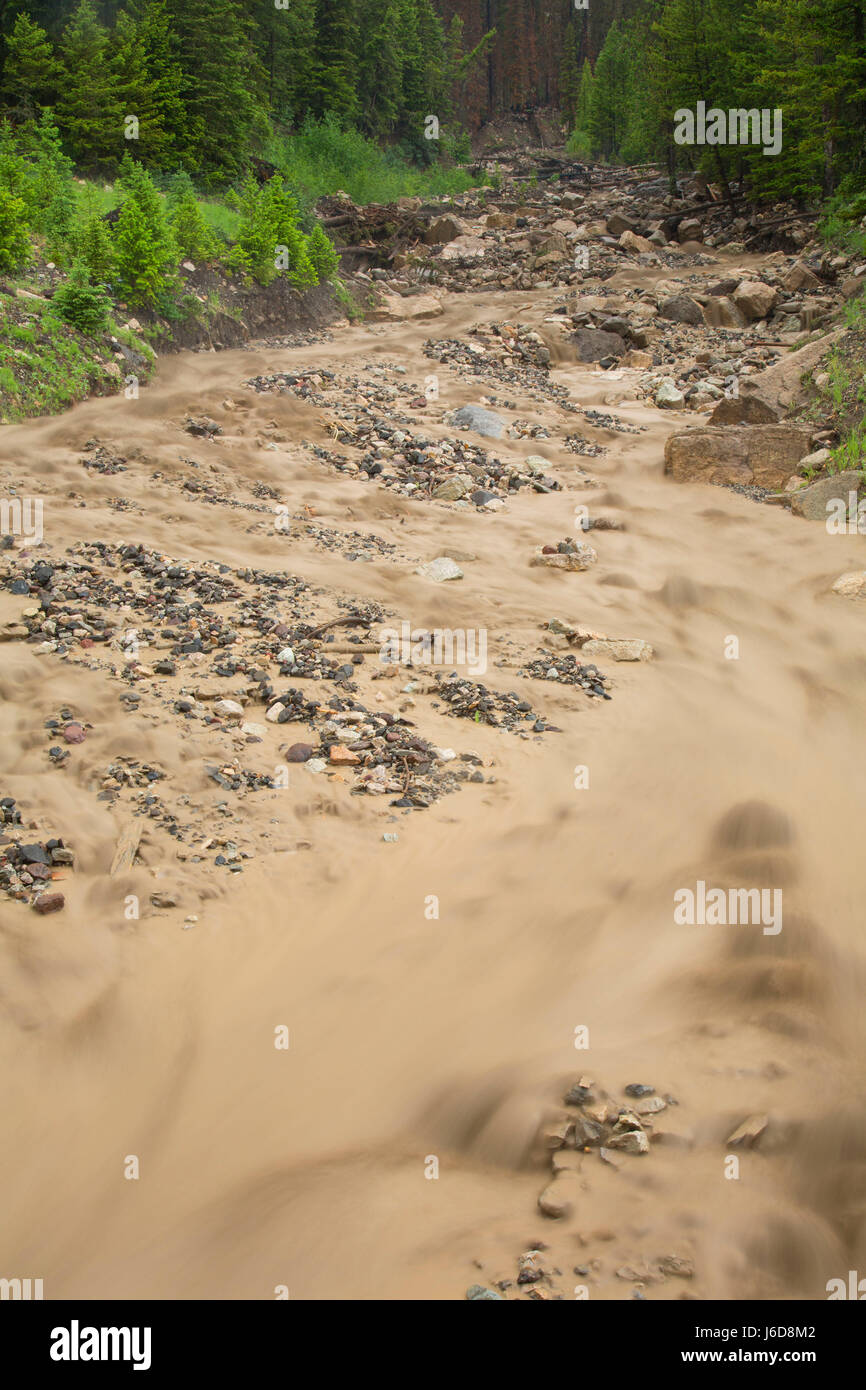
[(805, 59)]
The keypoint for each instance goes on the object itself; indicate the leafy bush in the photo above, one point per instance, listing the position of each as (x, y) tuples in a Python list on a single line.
[(80, 303)]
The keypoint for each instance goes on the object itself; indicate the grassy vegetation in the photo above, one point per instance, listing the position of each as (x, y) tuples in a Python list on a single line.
[(45, 365), (841, 402), (322, 158), (843, 224)]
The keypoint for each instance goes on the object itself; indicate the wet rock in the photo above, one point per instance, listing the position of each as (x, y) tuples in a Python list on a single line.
[(631, 1141), (393, 308), (475, 417), (815, 460), (453, 489), (229, 709), (593, 344), (754, 299), (563, 668), (33, 854), (445, 229), (748, 408), (653, 1105), (759, 454), (164, 900), (465, 248), (840, 493), (669, 396), (851, 585), (690, 229), (638, 358), (49, 902), (203, 427), (342, 756), (723, 313), (638, 245), (299, 753), (441, 570), (748, 1133), (800, 277), (618, 223), (558, 1198), (467, 699), (578, 1095), (619, 648), (580, 557), (681, 308)]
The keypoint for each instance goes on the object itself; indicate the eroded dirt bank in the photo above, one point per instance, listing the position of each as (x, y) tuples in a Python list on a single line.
[(415, 1036)]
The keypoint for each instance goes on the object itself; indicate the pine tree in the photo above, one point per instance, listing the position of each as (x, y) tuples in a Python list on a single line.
[(581, 140), (380, 68), (192, 235), (88, 109), (285, 41), (610, 93), (322, 254), (90, 240), (14, 231), (338, 38), (569, 76), (144, 247), (30, 70), (147, 88), (699, 43), (223, 84), (81, 303)]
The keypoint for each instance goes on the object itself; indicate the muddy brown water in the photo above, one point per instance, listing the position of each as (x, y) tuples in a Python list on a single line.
[(414, 1039)]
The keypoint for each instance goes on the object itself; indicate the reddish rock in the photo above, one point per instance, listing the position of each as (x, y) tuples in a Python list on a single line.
[(49, 902), (343, 756), (74, 733)]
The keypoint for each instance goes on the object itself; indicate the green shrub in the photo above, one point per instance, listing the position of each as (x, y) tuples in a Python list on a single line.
[(270, 239), (193, 236), (293, 248), (144, 246), (80, 303), (90, 240), (254, 250), (323, 254), (14, 231)]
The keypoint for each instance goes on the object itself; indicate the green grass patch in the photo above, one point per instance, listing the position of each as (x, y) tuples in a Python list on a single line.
[(58, 366), (323, 158)]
